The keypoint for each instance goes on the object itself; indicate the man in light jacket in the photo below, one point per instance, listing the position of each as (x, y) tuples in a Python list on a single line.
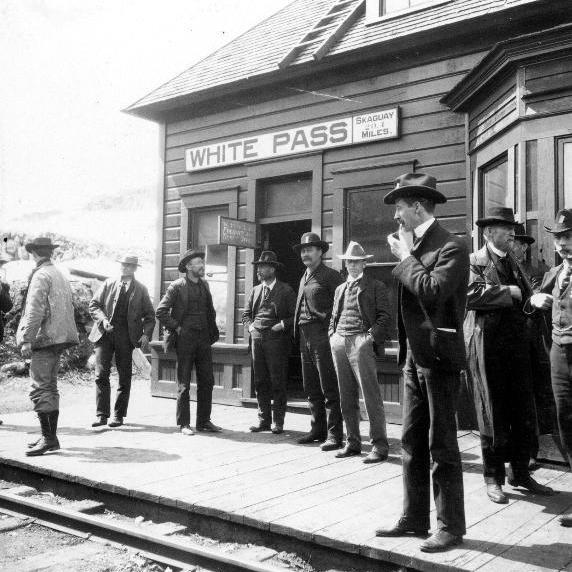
[(124, 319), (46, 328)]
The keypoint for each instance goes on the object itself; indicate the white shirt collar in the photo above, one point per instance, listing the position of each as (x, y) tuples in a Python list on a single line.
[(271, 285), (126, 282), (498, 252), (351, 280), (421, 229)]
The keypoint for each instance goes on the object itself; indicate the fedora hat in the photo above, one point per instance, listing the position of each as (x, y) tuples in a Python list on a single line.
[(129, 260), (354, 251), (520, 234), (191, 253), (562, 222), (498, 215), (40, 242), (311, 239), (4, 258), (415, 185), (268, 257)]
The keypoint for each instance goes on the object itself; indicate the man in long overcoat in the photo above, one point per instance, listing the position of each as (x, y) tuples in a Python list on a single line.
[(432, 273), (498, 357)]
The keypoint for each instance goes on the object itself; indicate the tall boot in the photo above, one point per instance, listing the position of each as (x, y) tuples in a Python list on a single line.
[(47, 442), (54, 415)]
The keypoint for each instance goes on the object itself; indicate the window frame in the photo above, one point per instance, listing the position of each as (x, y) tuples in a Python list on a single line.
[(374, 10)]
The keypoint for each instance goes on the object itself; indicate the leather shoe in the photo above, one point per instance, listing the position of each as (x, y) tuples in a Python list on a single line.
[(496, 494), (116, 422), (566, 520), (186, 430), (311, 438), (439, 541), (259, 428), (375, 456), (277, 428), (531, 485), (347, 451), (402, 528), (330, 445), (209, 427), (99, 422)]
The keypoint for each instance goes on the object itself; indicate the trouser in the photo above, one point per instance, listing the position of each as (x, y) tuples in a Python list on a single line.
[(430, 433), (354, 360), (44, 367), (270, 352), (194, 348), (561, 365), (320, 381), (116, 342)]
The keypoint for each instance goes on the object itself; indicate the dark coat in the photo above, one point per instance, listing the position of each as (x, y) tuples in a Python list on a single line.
[(485, 297), (437, 274), (319, 291), (373, 304), (140, 312), (173, 307), (283, 300), (5, 305)]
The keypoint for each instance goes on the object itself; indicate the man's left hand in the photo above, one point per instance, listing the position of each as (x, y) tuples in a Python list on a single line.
[(144, 341), (26, 350), (277, 327)]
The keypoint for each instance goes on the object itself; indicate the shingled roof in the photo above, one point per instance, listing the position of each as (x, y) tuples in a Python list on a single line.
[(299, 34)]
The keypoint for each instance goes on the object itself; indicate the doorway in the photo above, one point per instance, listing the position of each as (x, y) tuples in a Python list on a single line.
[(281, 237)]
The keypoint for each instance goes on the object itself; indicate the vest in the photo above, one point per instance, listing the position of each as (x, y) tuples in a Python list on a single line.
[(195, 317), (266, 313), (562, 315), (350, 322), (121, 307)]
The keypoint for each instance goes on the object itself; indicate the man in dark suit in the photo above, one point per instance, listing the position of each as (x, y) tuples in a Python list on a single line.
[(268, 318), (556, 295), (432, 273), (187, 312), (311, 322), (498, 349), (358, 327), (123, 319)]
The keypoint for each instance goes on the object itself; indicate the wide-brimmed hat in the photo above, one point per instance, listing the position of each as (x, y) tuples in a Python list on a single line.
[(311, 239), (562, 222), (268, 257), (415, 185), (4, 258), (520, 234), (191, 253), (129, 260), (354, 251), (498, 215), (40, 242)]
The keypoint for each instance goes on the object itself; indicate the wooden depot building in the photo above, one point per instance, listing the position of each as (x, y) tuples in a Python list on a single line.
[(303, 123)]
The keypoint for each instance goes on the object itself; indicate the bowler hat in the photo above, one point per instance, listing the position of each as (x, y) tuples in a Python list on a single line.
[(311, 239), (190, 254), (562, 222), (498, 215), (269, 257), (4, 258), (129, 260), (520, 234), (40, 242), (355, 251), (415, 185)]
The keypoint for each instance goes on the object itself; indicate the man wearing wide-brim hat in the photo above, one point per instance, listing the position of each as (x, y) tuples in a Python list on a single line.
[(188, 315), (124, 319), (555, 294), (358, 329), (267, 318), (432, 273), (498, 357), (311, 322), (47, 327)]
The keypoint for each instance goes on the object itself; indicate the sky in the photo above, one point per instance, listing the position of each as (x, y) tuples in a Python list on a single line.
[(68, 67)]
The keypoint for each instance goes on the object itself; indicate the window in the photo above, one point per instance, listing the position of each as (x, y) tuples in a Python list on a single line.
[(376, 9), (494, 186), (564, 170)]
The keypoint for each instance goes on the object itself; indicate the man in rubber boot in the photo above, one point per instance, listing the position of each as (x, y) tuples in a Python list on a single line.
[(46, 329)]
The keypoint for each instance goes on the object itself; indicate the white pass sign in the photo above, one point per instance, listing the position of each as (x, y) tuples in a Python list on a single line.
[(372, 126)]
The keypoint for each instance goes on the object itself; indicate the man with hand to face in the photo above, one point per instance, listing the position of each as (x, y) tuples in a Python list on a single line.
[(124, 319), (556, 295)]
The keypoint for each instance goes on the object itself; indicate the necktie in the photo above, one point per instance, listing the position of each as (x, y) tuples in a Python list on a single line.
[(265, 293), (566, 280), (122, 289)]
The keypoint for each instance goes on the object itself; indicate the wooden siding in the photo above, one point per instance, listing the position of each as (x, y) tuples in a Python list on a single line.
[(548, 87), (430, 134)]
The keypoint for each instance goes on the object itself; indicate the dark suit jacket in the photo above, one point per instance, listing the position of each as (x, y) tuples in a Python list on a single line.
[(437, 274), (173, 306), (373, 305), (319, 291), (283, 300), (140, 313), (5, 305)]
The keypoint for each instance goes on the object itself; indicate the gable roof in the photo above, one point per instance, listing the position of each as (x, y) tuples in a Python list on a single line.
[(262, 50)]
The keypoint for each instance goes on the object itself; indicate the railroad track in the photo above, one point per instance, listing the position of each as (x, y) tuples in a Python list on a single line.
[(171, 551)]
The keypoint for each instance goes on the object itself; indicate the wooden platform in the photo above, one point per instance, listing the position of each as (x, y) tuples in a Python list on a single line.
[(271, 483)]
